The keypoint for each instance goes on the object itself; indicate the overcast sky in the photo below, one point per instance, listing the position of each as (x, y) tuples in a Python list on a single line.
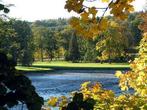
[(46, 9)]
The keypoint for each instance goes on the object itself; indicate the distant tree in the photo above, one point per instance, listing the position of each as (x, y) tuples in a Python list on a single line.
[(24, 38), (39, 34), (66, 34), (50, 43), (114, 41), (73, 53), (52, 23), (86, 46), (91, 53), (134, 22)]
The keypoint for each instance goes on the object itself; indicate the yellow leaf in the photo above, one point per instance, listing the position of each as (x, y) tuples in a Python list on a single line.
[(85, 84), (105, 0), (93, 11), (124, 88), (118, 74), (85, 16), (52, 101)]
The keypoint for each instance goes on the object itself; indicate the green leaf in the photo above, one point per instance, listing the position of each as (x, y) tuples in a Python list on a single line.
[(6, 10), (1, 6)]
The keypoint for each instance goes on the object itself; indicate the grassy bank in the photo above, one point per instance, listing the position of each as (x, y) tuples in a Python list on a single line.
[(63, 65)]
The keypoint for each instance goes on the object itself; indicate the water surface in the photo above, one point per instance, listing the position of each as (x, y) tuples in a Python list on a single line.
[(63, 82)]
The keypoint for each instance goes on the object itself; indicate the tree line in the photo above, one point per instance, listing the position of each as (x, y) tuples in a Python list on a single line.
[(49, 40)]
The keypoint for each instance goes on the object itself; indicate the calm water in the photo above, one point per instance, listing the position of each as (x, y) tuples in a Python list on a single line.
[(63, 82)]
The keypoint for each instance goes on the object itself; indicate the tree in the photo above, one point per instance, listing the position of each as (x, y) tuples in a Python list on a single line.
[(24, 38), (38, 38), (135, 21), (8, 39), (87, 48), (15, 87), (73, 53), (114, 42), (50, 43)]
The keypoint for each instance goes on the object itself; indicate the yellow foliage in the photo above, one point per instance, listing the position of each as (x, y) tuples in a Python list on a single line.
[(135, 79), (53, 101), (85, 16), (118, 74), (105, 0), (93, 11)]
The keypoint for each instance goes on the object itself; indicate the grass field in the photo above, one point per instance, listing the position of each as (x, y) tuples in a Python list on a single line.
[(63, 65), (25, 68)]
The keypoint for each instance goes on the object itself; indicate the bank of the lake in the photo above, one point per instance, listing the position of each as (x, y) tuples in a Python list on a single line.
[(63, 65)]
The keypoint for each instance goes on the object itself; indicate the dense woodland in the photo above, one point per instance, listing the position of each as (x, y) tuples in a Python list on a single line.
[(54, 39)]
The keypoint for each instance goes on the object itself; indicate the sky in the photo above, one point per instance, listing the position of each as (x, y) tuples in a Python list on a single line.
[(32, 10)]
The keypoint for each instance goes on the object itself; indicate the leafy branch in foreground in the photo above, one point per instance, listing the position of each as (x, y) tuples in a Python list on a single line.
[(89, 24), (101, 99), (16, 88)]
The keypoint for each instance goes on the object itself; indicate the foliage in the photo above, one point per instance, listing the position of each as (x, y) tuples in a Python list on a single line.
[(97, 98), (51, 43), (111, 45), (24, 40), (4, 8), (134, 22), (15, 87), (88, 50), (46, 39), (114, 42), (16, 40), (88, 25), (62, 32), (8, 39), (73, 53), (135, 79)]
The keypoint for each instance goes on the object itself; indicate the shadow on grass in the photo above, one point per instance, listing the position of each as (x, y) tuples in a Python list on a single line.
[(50, 68)]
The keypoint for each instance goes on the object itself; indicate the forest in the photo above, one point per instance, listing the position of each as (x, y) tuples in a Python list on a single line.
[(54, 39)]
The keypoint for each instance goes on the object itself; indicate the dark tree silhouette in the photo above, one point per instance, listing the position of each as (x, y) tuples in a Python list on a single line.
[(15, 87), (74, 54)]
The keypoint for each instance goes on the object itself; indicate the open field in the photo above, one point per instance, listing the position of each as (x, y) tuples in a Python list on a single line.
[(63, 65)]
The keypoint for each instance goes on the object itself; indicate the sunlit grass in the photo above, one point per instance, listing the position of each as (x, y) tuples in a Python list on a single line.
[(69, 64), (25, 68), (63, 65)]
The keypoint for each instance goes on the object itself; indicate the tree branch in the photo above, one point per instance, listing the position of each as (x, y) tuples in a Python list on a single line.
[(105, 11), (95, 8)]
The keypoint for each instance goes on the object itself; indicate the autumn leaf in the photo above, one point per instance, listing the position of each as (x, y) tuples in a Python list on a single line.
[(52, 101), (105, 0)]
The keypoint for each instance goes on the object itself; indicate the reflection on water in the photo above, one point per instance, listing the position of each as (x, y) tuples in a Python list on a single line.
[(63, 82)]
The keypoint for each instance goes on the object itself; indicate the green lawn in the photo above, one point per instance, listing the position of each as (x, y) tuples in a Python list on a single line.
[(63, 65), (24, 68)]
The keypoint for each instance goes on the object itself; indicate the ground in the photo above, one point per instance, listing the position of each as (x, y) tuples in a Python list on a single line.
[(63, 65)]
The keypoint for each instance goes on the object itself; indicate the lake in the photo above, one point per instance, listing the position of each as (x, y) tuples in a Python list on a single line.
[(65, 81)]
